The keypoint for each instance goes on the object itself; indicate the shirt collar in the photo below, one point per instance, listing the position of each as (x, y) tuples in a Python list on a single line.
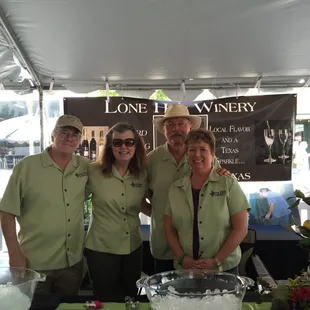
[(213, 177), (47, 160), (117, 175), (168, 156)]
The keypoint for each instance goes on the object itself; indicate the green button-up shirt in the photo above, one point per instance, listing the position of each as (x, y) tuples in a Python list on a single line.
[(115, 224), (220, 197), (163, 170), (48, 203)]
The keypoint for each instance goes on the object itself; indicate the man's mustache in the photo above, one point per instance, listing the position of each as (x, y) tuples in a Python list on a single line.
[(178, 134)]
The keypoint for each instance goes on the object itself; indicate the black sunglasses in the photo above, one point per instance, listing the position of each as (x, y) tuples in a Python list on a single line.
[(120, 142)]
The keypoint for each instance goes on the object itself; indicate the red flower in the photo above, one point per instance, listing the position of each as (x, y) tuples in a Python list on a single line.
[(301, 294)]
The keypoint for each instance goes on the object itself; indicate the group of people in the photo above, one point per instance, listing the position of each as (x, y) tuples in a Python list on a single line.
[(198, 210)]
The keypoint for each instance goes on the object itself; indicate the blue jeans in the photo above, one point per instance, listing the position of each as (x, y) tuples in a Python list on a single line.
[(283, 220)]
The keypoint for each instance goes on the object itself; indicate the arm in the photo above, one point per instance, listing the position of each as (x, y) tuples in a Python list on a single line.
[(238, 207), (173, 240), (271, 208), (239, 223), (146, 207), (8, 226), (172, 237), (219, 169), (10, 207)]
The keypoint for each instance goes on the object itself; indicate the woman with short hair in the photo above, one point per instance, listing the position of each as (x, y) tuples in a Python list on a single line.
[(206, 214)]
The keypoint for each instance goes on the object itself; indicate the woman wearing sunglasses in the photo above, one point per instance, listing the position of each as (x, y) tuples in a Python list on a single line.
[(118, 184)]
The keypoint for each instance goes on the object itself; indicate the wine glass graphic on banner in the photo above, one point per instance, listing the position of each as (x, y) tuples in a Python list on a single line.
[(283, 136), (269, 139)]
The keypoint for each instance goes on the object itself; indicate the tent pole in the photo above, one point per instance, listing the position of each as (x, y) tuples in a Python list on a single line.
[(18, 49), (40, 89), (22, 56)]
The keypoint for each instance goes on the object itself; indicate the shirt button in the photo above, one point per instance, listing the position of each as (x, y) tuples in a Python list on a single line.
[(200, 222), (68, 220), (65, 190), (200, 207), (68, 249), (201, 195), (122, 181), (67, 204), (123, 194), (201, 238), (126, 232), (123, 208), (201, 252), (69, 235), (124, 219)]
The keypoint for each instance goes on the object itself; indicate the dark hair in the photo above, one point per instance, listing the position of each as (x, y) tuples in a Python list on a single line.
[(264, 189), (107, 159), (201, 135)]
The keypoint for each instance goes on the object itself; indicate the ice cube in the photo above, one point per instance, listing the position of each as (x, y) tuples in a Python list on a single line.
[(229, 302), (12, 298)]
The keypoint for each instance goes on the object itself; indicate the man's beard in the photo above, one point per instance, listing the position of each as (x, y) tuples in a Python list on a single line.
[(177, 139)]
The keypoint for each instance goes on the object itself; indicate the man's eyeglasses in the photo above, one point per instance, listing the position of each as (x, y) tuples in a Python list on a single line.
[(67, 134), (174, 125), (120, 142)]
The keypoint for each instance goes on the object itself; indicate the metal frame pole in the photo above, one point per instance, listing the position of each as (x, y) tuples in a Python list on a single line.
[(41, 118), (12, 40)]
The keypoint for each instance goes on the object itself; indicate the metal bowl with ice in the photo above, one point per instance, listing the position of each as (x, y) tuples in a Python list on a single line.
[(17, 286), (195, 289)]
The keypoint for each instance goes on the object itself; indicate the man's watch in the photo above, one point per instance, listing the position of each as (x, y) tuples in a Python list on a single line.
[(218, 264)]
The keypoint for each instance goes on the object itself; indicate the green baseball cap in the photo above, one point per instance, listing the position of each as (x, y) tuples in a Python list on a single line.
[(69, 121)]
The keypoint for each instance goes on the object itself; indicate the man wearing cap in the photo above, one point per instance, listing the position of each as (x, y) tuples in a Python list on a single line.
[(166, 164), (46, 195)]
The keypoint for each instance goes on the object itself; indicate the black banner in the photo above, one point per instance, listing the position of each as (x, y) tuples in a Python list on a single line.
[(254, 134)]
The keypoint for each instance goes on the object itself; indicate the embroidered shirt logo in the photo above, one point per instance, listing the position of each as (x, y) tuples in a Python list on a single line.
[(136, 184), (82, 174), (217, 194)]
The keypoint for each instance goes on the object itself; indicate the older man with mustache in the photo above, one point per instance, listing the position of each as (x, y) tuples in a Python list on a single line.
[(166, 164)]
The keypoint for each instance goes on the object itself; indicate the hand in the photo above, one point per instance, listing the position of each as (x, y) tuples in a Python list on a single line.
[(267, 216), (18, 260), (223, 171), (205, 263), (188, 262)]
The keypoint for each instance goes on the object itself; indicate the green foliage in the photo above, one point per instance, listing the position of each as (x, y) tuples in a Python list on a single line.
[(102, 93), (87, 210), (301, 196), (159, 95), (112, 93)]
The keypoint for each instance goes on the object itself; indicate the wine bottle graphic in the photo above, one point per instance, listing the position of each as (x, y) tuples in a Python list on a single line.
[(93, 146), (101, 142), (85, 144)]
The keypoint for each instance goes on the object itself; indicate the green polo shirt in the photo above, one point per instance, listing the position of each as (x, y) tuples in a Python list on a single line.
[(115, 224), (48, 204), (220, 197), (163, 170)]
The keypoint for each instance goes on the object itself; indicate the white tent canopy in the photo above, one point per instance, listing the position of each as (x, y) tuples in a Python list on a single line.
[(152, 44)]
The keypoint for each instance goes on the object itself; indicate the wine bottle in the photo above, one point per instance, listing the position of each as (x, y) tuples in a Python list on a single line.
[(78, 150), (85, 144), (93, 146)]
